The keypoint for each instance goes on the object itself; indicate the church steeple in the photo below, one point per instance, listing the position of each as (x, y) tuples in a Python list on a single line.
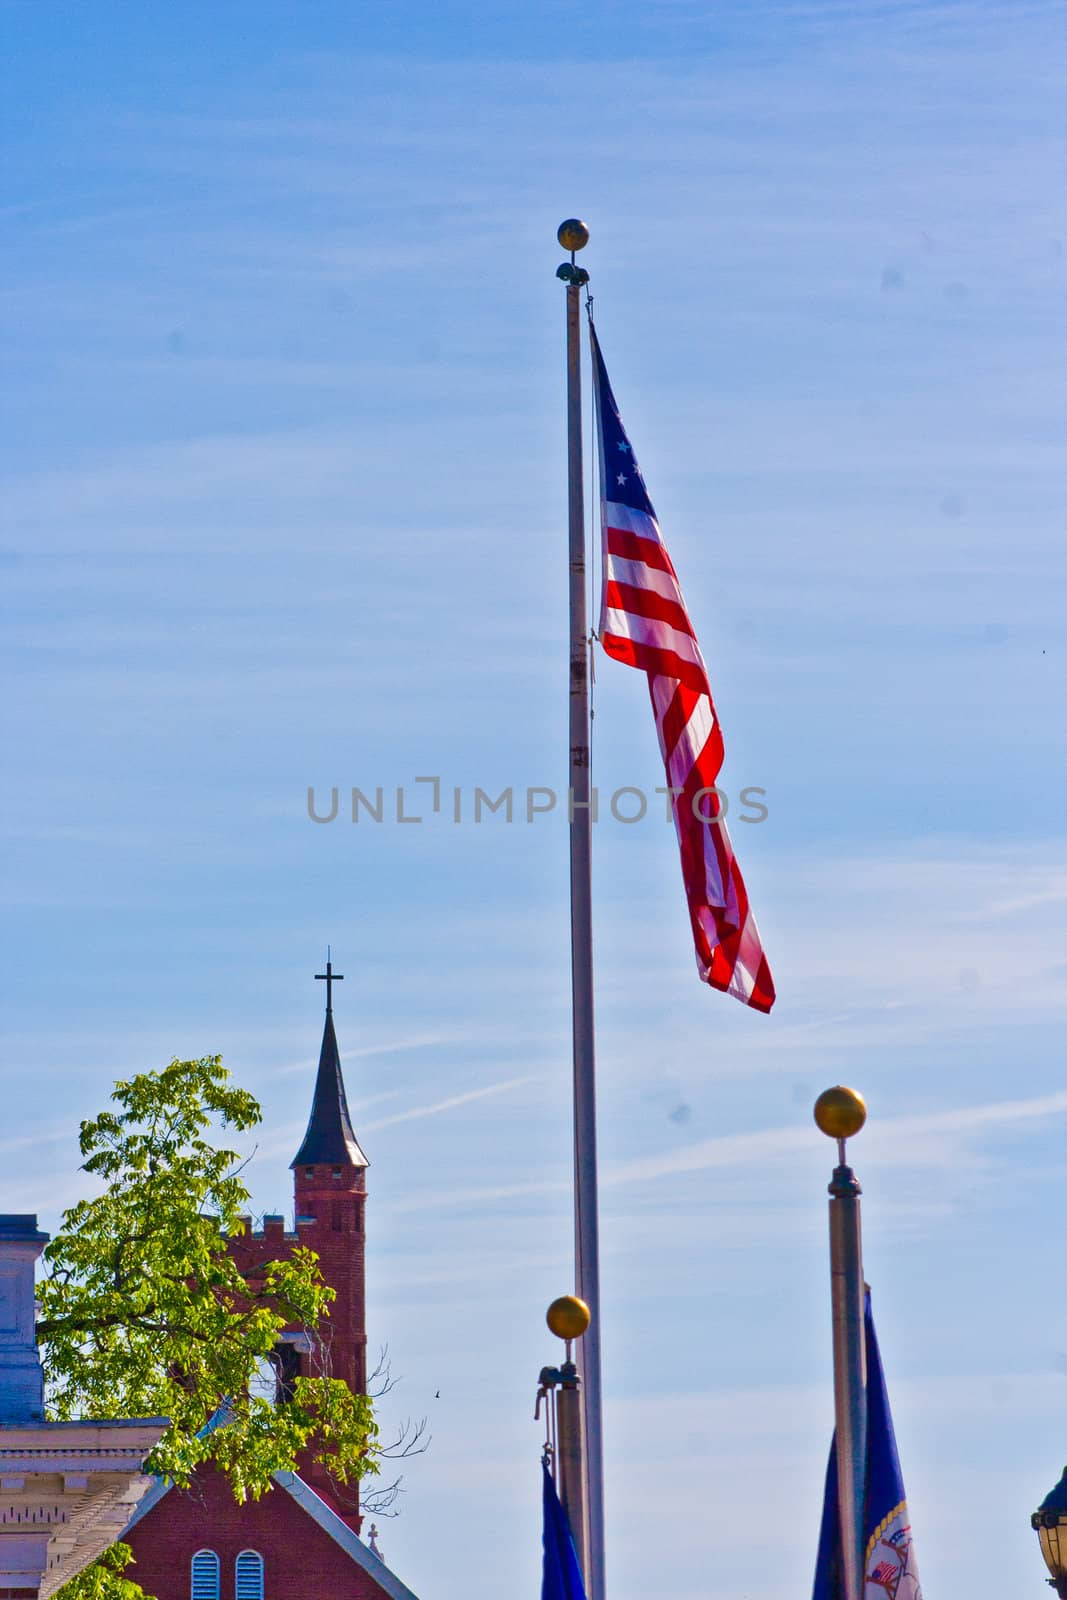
[(330, 1139), (330, 1201), (330, 1194)]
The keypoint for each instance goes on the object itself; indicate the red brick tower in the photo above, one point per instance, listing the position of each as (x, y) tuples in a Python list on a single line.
[(330, 1184)]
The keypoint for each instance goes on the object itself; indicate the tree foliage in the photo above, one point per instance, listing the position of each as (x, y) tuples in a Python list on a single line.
[(144, 1312)]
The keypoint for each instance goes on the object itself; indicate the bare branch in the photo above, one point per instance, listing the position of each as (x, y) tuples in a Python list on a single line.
[(381, 1501), (408, 1441), (381, 1381)]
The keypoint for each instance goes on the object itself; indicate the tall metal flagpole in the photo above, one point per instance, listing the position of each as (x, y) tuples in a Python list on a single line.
[(574, 235), (840, 1113)]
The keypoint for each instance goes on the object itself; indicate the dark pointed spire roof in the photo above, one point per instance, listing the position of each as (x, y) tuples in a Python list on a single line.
[(329, 1140)]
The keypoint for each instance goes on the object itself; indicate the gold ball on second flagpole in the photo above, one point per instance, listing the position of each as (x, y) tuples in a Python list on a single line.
[(568, 1317), (573, 234), (840, 1113)]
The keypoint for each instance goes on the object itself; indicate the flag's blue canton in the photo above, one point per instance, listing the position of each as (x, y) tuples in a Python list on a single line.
[(562, 1579), (622, 480), (884, 1499)]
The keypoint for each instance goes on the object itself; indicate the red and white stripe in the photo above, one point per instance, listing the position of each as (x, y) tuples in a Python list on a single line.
[(644, 622)]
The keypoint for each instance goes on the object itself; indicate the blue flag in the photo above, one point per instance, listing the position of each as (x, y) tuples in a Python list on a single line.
[(889, 1567), (562, 1578)]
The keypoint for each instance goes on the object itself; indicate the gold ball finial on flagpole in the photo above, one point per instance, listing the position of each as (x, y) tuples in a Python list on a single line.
[(840, 1113), (568, 1317), (573, 234)]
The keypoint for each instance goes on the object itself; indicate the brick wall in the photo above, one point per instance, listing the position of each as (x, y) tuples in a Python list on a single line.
[(300, 1560)]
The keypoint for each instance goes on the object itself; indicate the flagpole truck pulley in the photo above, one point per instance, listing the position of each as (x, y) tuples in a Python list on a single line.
[(573, 235), (560, 1388), (840, 1113)]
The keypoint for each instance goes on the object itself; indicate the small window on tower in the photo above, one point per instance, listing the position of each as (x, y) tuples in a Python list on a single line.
[(309, 1172), (336, 1218), (336, 1174), (264, 1383), (287, 1364), (275, 1375)]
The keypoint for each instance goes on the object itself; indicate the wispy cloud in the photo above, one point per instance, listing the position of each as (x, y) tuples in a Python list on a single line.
[(282, 1138), (451, 1104), (430, 1039), (905, 1143), (37, 1139)]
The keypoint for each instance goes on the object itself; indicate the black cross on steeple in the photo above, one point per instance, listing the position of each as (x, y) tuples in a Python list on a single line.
[(329, 977), (329, 1140)]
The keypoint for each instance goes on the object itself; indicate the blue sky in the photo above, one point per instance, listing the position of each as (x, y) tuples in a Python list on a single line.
[(285, 506)]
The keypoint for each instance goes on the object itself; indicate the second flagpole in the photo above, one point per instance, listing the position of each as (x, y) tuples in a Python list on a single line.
[(574, 235), (840, 1113)]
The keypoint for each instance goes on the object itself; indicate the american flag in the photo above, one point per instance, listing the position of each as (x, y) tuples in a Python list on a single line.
[(644, 622)]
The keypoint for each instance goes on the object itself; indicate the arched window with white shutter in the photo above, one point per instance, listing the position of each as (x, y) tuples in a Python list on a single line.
[(248, 1576), (205, 1576)]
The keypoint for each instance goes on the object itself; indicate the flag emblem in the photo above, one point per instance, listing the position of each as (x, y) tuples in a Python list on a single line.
[(644, 622), (890, 1572)]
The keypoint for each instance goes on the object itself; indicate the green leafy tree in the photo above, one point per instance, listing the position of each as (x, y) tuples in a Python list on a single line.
[(145, 1313)]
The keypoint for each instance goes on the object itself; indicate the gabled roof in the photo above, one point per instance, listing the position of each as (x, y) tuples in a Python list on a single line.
[(329, 1140), (350, 1543), (319, 1512)]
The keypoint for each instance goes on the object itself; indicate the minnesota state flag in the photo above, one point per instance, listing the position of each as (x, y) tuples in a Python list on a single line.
[(890, 1571), (562, 1576)]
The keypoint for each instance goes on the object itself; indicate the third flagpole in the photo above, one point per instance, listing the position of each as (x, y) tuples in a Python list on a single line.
[(574, 235), (840, 1113)]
